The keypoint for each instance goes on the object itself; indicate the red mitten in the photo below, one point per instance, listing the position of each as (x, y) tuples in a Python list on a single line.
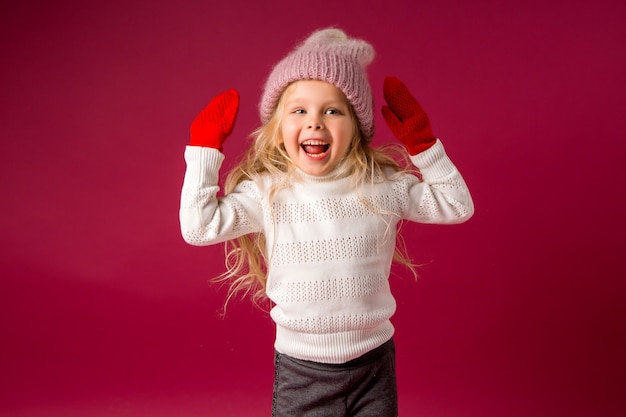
[(215, 123), (406, 118)]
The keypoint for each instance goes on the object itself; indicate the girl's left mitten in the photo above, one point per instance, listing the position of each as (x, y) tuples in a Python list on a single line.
[(406, 118), (215, 123)]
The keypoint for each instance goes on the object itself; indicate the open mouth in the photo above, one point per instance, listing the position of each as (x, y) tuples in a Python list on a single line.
[(315, 148)]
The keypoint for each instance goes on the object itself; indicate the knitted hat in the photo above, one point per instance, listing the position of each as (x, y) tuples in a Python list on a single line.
[(327, 55)]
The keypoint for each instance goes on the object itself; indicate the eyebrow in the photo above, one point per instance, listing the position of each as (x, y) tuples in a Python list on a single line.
[(298, 100)]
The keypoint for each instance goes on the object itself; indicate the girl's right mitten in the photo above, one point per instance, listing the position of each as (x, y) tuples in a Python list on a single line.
[(215, 123)]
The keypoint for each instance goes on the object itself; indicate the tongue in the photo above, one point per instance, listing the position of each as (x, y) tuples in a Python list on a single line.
[(315, 149)]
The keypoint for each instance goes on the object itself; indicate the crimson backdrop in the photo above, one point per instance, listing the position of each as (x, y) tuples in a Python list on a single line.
[(104, 311)]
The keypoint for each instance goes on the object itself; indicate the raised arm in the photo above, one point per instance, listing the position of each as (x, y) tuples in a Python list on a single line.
[(204, 218), (440, 195)]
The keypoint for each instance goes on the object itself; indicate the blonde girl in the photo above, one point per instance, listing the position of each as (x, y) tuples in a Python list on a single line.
[(310, 216)]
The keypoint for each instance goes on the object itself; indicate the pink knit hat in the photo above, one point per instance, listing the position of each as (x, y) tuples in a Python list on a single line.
[(327, 55)]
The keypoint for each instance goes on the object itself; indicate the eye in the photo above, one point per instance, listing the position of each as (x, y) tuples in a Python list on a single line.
[(299, 111), (332, 111)]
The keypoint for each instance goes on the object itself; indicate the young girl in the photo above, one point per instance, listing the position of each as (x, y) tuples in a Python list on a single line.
[(311, 214)]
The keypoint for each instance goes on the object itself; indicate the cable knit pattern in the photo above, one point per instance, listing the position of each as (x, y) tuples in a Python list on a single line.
[(329, 253)]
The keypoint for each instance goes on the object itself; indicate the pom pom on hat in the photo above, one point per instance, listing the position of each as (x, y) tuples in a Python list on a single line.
[(326, 55)]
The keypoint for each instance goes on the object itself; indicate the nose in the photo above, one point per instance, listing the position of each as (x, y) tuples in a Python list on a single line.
[(315, 124)]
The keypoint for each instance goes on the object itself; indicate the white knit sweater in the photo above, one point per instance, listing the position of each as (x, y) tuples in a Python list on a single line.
[(329, 255)]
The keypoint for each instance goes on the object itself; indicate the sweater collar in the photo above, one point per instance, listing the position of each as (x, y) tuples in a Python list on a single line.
[(336, 174)]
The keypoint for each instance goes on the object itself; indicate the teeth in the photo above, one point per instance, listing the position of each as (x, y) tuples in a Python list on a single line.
[(314, 142), (315, 148)]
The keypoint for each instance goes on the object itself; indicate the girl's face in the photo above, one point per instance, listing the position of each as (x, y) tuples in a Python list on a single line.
[(317, 126)]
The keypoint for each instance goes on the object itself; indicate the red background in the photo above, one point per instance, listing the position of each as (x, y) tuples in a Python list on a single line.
[(105, 311)]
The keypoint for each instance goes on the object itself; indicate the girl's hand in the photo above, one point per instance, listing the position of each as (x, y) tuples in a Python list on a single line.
[(215, 123), (406, 118)]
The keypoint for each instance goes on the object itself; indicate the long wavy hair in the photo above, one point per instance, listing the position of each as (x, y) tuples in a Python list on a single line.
[(246, 262)]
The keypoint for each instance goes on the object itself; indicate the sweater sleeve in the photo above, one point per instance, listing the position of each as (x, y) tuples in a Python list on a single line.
[(441, 196), (206, 219)]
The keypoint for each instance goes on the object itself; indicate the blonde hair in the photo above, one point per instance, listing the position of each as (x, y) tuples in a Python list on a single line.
[(246, 263)]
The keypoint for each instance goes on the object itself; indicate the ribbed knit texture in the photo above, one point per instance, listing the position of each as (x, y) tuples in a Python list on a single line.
[(327, 55), (329, 254)]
